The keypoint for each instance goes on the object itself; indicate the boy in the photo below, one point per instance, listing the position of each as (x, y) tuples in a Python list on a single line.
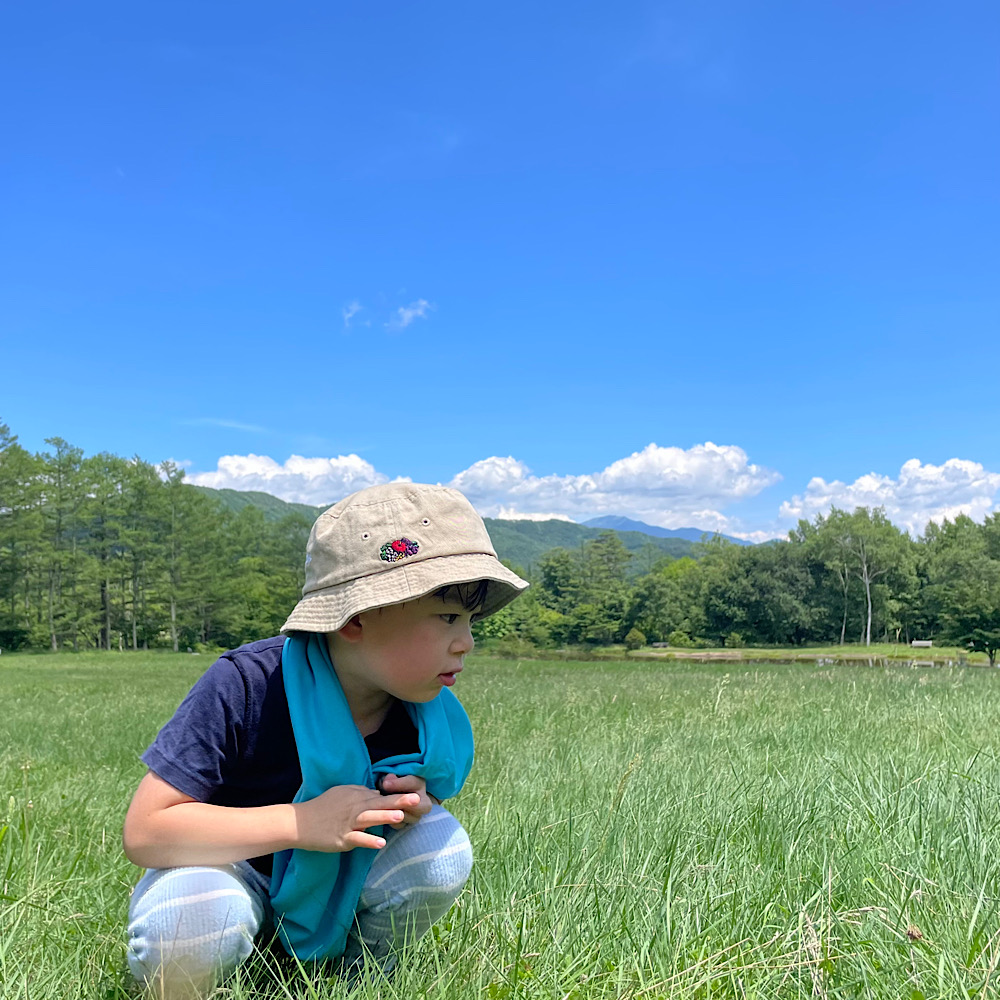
[(298, 786)]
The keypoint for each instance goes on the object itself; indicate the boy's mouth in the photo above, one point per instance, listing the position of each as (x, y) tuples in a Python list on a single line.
[(448, 679)]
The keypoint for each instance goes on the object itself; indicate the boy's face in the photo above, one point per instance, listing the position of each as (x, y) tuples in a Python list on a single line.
[(412, 650)]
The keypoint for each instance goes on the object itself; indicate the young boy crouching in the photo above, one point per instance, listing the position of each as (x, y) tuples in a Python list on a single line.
[(297, 790)]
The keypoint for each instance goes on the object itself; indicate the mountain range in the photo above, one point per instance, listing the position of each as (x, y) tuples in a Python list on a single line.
[(522, 543), (627, 524)]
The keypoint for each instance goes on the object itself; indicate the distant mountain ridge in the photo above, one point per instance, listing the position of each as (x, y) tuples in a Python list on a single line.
[(522, 543), (617, 523), (273, 508)]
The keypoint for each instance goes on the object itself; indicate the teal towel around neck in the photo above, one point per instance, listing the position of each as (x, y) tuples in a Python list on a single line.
[(315, 894)]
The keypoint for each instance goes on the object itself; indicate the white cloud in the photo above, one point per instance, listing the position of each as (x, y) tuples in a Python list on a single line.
[(756, 537), (349, 312), (300, 480), (922, 493), (405, 315), (510, 514), (670, 487), (491, 475), (666, 486)]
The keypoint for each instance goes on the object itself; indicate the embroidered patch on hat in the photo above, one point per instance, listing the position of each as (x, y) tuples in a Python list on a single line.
[(397, 549)]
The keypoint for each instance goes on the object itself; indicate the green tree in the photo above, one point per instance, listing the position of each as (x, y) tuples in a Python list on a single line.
[(195, 567), (823, 546), (600, 617), (560, 580), (867, 547), (964, 583), (281, 572), (141, 535), (634, 639), (21, 535), (207, 593), (104, 515), (668, 600), (604, 564), (526, 620), (64, 493), (762, 594)]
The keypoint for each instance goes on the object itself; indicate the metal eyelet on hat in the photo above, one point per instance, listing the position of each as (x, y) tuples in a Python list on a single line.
[(365, 535), (424, 521)]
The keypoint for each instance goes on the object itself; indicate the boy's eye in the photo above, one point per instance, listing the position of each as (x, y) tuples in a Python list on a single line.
[(450, 619)]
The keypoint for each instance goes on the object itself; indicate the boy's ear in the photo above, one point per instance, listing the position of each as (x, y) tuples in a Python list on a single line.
[(351, 632)]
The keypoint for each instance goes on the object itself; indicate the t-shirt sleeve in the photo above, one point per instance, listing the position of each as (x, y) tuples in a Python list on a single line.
[(193, 750)]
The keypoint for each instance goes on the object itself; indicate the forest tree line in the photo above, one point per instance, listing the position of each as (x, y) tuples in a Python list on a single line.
[(113, 553)]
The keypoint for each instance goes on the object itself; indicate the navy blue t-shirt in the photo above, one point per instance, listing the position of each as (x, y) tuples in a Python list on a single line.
[(230, 743)]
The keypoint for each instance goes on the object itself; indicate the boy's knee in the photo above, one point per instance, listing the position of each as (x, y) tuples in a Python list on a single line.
[(190, 926), (445, 872), (424, 865)]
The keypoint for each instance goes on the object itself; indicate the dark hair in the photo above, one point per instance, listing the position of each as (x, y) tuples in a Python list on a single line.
[(470, 595)]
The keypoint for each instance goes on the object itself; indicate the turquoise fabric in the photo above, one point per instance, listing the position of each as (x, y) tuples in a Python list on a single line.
[(315, 894)]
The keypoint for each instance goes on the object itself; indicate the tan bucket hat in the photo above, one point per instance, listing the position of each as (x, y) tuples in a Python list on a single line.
[(394, 543)]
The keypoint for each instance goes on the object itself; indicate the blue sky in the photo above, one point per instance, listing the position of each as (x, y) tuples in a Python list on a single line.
[(719, 264)]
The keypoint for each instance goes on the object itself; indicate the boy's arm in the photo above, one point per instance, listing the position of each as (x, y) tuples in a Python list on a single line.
[(165, 828)]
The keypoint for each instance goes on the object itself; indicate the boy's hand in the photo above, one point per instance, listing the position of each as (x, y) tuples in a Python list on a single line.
[(338, 820), (393, 784)]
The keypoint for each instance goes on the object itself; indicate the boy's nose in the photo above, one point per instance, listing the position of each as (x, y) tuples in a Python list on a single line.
[(464, 643)]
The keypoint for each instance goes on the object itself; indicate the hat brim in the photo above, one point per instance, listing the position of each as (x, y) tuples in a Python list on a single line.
[(331, 609)]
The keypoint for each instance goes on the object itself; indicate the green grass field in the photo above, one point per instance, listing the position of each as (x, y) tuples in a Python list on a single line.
[(642, 830)]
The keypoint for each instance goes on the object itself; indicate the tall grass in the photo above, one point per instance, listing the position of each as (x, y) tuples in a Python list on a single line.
[(642, 830)]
